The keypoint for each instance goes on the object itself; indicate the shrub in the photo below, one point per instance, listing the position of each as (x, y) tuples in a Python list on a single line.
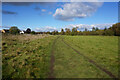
[(109, 32), (33, 32), (14, 30)]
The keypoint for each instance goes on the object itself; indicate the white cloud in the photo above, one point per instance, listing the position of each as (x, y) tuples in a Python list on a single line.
[(73, 10), (82, 27), (45, 29), (43, 10)]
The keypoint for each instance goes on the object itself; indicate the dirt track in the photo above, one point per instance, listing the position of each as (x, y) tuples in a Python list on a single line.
[(51, 74), (92, 61)]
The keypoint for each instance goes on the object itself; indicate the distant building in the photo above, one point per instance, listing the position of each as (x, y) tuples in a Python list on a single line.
[(22, 32), (5, 31)]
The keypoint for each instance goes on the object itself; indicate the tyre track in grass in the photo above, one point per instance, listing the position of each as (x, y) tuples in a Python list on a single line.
[(92, 61), (52, 60)]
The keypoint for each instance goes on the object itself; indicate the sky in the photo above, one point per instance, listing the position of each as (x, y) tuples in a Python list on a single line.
[(50, 16)]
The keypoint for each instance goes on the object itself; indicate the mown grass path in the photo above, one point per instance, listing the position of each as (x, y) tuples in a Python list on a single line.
[(92, 61)]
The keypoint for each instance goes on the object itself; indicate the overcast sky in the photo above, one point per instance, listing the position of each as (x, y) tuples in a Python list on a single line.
[(44, 16)]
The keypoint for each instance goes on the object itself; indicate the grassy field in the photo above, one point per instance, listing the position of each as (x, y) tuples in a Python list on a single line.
[(101, 49), (28, 56)]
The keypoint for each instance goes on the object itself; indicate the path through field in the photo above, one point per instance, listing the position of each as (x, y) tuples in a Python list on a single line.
[(51, 75), (68, 62), (59, 56)]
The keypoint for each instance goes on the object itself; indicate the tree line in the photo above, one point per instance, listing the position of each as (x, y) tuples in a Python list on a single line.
[(113, 30), (15, 30)]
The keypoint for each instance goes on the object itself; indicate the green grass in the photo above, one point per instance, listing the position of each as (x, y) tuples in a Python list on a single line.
[(102, 49), (26, 59), (69, 64), (30, 58)]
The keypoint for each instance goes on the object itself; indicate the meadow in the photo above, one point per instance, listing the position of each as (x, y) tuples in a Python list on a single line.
[(26, 58), (103, 50), (29, 56)]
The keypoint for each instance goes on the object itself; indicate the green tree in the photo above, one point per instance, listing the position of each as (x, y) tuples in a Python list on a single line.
[(116, 29), (62, 32), (96, 29), (56, 33), (117, 32), (105, 29), (33, 32), (74, 31), (14, 30), (53, 33), (93, 29), (85, 29), (28, 30), (67, 31)]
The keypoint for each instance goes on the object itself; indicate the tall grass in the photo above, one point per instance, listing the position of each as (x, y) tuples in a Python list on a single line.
[(26, 56)]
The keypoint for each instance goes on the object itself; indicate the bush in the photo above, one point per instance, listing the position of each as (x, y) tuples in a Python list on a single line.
[(33, 32), (109, 32), (117, 32), (14, 30)]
